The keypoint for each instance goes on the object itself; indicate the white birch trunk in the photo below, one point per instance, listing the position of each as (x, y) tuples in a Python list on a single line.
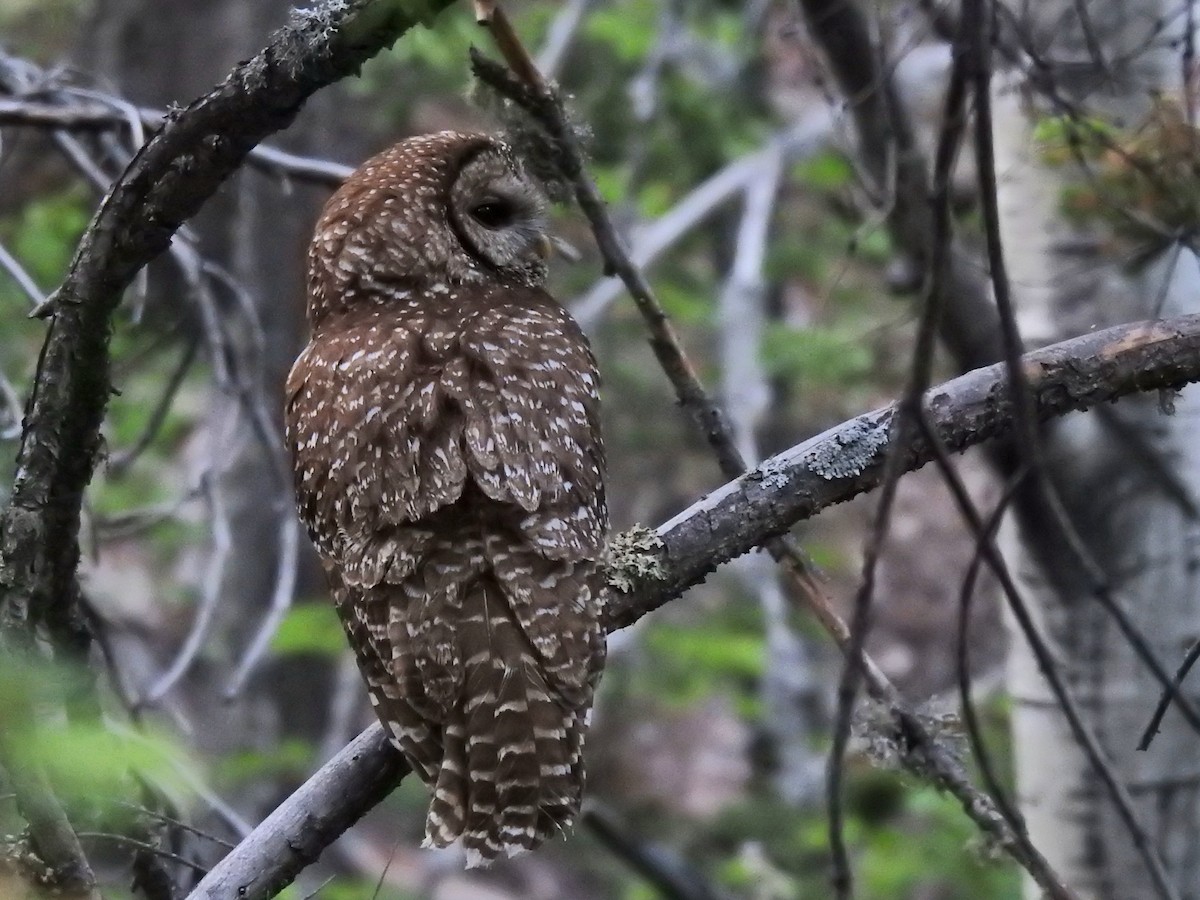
[(1127, 476)]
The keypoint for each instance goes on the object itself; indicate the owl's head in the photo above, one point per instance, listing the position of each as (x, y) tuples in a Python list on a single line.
[(440, 209)]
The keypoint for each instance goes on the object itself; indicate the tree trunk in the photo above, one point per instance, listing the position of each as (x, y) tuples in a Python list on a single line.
[(1127, 476)]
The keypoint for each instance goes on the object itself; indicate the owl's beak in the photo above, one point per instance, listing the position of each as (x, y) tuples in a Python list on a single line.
[(548, 245)]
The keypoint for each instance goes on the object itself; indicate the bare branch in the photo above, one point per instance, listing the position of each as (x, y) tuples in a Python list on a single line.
[(222, 546), (294, 835), (171, 177), (11, 408), (119, 463), (977, 23), (24, 281), (938, 262), (73, 111), (808, 136), (795, 485), (281, 602)]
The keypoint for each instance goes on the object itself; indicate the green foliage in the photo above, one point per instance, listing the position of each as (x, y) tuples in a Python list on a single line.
[(824, 356), (89, 765), (1065, 138), (724, 654), (686, 299), (827, 172), (704, 117), (1140, 185), (290, 758), (311, 628), (892, 864), (627, 30), (351, 888), (915, 843), (44, 234)]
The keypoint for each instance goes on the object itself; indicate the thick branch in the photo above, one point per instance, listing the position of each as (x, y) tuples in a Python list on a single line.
[(847, 460), (167, 182), (361, 775), (797, 484)]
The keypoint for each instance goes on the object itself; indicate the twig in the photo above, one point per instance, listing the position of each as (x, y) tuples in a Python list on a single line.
[(537, 98), (971, 327), (281, 602), (807, 136), (1082, 734), (531, 92), (206, 608), (23, 279), (145, 847), (970, 717), (828, 469), (1164, 701), (67, 114), (670, 876), (12, 409), (921, 368), (120, 462), (176, 823)]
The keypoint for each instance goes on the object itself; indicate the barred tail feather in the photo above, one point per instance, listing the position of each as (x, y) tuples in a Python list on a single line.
[(364, 614), (523, 745)]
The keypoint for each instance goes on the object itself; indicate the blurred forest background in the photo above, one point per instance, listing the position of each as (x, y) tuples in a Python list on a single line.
[(724, 149)]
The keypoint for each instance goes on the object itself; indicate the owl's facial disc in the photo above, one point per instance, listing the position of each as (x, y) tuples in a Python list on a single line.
[(500, 214)]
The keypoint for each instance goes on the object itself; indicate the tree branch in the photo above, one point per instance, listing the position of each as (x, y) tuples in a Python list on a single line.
[(894, 162), (167, 182), (96, 116), (828, 469)]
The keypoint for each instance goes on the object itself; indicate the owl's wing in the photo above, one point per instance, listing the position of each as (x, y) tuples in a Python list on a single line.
[(534, 446), (374, 447), (391, 419)]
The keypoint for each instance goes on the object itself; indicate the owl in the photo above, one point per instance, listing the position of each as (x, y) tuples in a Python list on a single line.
[(443, 422)]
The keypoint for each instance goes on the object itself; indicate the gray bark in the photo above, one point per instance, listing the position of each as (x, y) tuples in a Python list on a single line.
[(1128, 476)]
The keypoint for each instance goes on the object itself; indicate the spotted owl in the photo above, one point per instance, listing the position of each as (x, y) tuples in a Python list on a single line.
[(444, 427)]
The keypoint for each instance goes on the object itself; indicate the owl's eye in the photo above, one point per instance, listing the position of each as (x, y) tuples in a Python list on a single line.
[(495, 212)]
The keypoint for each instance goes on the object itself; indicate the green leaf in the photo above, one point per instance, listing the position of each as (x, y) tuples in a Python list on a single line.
[(44, 235), (290, 758), (711, 651), (309, 628), (816, 355), (627, 28), (827, 171)]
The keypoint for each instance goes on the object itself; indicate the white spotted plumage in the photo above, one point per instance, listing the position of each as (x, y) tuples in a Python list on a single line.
[(444, 424)]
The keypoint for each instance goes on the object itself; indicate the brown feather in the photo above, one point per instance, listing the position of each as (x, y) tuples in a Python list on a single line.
[(444, 428)]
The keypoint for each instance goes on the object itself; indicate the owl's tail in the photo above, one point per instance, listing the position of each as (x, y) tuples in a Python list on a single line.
[(512, 770)]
